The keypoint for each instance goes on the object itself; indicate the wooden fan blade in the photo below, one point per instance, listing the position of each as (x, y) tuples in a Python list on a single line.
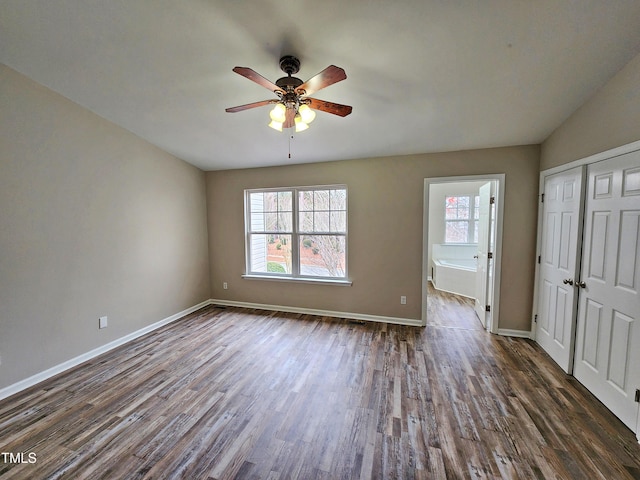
[(329, 107), (328, 76), (289, 120), (240, 108), (256, 77)]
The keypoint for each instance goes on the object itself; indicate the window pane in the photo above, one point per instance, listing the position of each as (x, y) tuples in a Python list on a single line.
[(323, 255), (457, 207), (339, 222), (475, 232), (306, 222), (271, 211), (321, 200), (338, 199), (270, 201), (285, 222), (328, 207), (270, 253), (456, 232), (284, 201), (305, 200), (256, 201), (271, 222), (258, 253), (321, 221), (464, 209), (257, 222)]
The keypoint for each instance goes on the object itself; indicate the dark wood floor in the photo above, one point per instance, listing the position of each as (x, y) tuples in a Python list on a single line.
[(237, 393), (452, 311)]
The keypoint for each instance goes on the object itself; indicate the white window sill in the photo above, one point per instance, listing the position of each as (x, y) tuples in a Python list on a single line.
[(317, 281)]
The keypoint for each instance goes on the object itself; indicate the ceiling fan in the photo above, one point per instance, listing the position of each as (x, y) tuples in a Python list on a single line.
[(294, 107)]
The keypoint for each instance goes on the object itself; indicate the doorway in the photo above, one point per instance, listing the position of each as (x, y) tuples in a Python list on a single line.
[(462, 242)]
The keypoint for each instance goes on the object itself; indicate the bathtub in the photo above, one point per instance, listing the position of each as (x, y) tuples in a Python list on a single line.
[(455, 276)]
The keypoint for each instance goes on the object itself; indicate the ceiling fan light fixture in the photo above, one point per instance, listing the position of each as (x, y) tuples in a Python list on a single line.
[(301, 126), (306, 114), (278, 113), (276, 125), (294, 107)]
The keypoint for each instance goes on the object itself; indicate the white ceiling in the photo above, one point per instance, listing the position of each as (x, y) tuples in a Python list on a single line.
[(423, 75)]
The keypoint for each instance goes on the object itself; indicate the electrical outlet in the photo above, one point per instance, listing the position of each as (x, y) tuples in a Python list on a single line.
[(403, 300), (225, 285), (102, 322)]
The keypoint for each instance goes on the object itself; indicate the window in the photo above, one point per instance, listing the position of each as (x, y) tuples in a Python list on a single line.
[(297, 232), (461, 219)]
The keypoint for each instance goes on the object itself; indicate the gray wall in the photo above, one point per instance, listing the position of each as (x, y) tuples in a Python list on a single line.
[(609, 119), (93, 221), (385, 231)]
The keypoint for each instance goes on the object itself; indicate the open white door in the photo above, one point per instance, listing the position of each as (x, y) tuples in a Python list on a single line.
[(482, 271), (557, 305), (608, 337)]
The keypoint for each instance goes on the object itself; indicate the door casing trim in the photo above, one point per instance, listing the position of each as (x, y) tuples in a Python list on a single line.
[(494, 301)]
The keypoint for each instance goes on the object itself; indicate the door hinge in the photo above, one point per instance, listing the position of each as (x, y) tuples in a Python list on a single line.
[(535, 318), (539, 259), (487, 308), (489, 254), (637, 398), (542, 198), (492, 200)]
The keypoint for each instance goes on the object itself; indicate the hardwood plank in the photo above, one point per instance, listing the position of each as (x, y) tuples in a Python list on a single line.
[(242, 393)]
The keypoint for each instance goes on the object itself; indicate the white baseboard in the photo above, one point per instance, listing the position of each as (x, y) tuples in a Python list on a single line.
[(505, 332), (326, 313), (39, 377)]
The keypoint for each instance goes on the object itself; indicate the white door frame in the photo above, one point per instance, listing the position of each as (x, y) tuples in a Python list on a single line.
[(494, 301)]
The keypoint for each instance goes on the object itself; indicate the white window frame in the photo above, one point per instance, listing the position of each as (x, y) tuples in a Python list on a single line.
[(474, 203), (296, 236)]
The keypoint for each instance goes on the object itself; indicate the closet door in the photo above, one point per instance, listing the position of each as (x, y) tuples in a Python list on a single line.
[(607, 356), (559, 255)]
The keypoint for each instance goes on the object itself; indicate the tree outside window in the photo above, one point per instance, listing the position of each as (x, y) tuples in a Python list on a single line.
[(297, 232), (461, 218)]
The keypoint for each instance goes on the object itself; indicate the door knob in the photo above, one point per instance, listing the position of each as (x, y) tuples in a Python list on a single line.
[(568, 281), (581, 285)]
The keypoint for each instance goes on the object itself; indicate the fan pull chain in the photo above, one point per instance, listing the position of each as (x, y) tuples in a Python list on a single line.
[(290, 137)]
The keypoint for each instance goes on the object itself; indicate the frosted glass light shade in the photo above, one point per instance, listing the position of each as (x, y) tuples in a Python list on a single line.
[(276, 125), (300, 125), (278, 113), (306, 114)]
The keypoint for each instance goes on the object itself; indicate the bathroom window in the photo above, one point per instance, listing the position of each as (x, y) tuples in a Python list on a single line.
[(297, 233), (461, 215)]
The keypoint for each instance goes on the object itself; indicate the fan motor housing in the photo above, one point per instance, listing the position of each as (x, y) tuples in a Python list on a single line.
[(291, 82), (289, 64)]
